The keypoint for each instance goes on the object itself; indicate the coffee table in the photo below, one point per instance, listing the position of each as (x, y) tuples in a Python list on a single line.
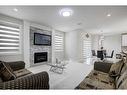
[(58, 68)]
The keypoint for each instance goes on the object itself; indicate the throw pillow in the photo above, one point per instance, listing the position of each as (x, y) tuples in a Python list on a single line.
[(21, 72), (6, 72), (116, 68), (121, 79)]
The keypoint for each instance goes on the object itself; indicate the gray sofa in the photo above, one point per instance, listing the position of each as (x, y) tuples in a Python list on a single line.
[(26, 81), (106, 76)]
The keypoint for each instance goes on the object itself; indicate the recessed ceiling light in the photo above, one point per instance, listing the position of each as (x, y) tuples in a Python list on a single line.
[(66, 12), (108, 15), (15, 9)]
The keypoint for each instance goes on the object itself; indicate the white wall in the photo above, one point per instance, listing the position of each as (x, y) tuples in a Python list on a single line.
[(26, 43), (95, 43), (13, 57), (112, 42), (74, 45), (71, 46)]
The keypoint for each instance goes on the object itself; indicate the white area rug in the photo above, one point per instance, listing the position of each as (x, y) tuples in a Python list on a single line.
[(73, 74)]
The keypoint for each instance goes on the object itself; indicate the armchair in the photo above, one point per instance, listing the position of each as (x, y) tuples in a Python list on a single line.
[(32, 81)]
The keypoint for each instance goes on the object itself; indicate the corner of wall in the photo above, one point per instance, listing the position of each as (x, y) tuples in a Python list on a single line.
[(26, 43)]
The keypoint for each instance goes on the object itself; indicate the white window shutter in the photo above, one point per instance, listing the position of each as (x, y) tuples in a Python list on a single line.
[(59, 41), (86, 49), (86, 46), (9, 38)]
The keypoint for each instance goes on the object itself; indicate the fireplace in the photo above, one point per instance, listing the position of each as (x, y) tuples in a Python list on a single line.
[(40, 57)]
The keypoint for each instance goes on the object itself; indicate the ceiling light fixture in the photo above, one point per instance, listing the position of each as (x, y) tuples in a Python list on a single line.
[(87, 35), (66, 12), (15, 9), (108, 15)]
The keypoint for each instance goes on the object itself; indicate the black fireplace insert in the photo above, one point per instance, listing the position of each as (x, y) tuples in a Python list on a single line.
[(40, 57)]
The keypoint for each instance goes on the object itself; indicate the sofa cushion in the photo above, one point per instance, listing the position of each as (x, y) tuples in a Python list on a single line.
[(16, 65), (88, 83), (101, 76), (22, 72), (99, 66), (6, 72), (116, 68), (97, 80)]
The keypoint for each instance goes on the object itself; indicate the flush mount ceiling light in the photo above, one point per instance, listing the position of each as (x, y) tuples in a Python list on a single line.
[(108, 15), (15, 9), (66, 12)]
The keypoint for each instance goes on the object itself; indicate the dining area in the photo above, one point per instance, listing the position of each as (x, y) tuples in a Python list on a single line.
[(102, 54)]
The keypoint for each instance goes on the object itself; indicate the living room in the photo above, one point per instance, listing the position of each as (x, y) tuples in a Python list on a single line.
[(60, 40)]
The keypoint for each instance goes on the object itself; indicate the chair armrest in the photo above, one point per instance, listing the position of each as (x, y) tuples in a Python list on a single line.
[(34, 81), (102, 66), (17, 65)]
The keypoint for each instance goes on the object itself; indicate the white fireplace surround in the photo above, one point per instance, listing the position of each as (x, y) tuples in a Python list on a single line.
[(39, 48), (30, 49)]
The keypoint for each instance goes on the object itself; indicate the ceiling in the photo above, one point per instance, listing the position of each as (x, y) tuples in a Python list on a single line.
[(91, 19)]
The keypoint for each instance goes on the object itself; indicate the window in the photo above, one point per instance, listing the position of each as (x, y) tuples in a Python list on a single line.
[(9, 38), (86, 48), (59, 41)]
